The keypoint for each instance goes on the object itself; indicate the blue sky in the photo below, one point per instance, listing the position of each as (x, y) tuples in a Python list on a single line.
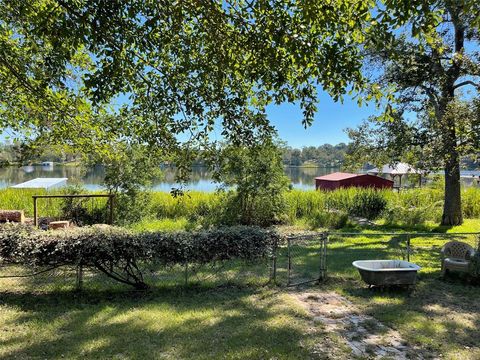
[(330, 121)]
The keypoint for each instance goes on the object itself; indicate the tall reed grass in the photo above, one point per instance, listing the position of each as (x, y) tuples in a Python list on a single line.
[(21, 199), (410, 206)]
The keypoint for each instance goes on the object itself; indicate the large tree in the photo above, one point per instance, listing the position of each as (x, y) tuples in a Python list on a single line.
[(434, 77), (178, 71)]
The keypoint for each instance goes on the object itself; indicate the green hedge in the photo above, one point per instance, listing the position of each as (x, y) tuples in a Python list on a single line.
[(120, 253)]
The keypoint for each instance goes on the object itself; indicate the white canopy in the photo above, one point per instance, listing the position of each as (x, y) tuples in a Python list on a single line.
[(42, 183), (398, 169)]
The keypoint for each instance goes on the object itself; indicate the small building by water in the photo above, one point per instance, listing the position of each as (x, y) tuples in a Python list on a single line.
[(42, 183), (339, 180)]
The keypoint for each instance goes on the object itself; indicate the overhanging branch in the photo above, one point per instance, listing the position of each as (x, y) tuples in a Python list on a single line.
[(467, 82)]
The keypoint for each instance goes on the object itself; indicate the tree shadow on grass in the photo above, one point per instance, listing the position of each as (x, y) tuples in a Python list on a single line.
[(443, 315), (340, 258), (192, 323)]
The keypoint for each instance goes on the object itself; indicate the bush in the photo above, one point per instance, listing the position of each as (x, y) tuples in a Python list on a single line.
[(121, 254), (413, 207), (128, 175), (256, 172), (367, 204), (414, 215), (329, 219), (474, 267), (471, 202)]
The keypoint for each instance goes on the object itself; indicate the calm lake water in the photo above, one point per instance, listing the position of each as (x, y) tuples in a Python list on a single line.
[(302, 178)]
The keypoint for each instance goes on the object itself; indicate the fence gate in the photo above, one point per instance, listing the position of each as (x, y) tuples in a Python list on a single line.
[(306, 259)]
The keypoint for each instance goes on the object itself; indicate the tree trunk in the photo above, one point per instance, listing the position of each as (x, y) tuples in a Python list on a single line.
[(452, 208)]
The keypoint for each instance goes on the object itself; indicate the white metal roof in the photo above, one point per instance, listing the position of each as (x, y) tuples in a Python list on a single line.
[(398, 169), (42, 183)]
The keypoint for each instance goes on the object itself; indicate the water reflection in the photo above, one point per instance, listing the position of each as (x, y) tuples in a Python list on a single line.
[(201, 179)]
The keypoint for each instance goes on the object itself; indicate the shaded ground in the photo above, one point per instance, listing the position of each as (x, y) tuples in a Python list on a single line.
[(46, 320), (440, 317), (224, 323), (364, 335)]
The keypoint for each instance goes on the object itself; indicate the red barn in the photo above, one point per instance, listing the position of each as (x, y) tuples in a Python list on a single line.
[(344, 180)]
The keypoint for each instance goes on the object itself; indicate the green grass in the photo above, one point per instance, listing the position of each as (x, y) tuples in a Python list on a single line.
[(442, 316), (439, 316), (161, 225), (168, 323), (21, 199), (44, 318), (240, 319)]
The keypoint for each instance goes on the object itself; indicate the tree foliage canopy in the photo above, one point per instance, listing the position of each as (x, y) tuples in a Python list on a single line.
[(176, 71), (434, 76)]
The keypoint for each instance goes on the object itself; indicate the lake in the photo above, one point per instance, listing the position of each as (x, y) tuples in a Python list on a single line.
[(201, 180)]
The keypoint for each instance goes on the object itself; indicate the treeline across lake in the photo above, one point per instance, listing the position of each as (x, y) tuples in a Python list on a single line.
[(325, 155)]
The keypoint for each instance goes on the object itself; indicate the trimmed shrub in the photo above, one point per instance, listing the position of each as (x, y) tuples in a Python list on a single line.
[(121, 254)]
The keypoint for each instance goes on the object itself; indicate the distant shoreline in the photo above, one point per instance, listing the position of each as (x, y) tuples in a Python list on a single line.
[(78, 164), (312, 166)]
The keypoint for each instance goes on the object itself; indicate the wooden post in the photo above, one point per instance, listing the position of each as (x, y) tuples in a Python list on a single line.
[(79, 284), (35, 221), (274, 265), (323, 257), (289, 266)]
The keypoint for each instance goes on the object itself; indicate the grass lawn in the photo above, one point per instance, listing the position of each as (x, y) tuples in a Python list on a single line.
[(47, 320), (229, 323), (439, 315)]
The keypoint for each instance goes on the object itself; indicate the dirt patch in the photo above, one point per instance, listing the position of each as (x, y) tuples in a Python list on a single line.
[(364, 335)]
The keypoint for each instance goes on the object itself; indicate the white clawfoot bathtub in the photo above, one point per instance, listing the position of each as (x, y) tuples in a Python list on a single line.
[(387, 272)]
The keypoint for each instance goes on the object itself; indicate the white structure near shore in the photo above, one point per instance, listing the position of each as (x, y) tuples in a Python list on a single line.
[(42, 183), (397, 170)]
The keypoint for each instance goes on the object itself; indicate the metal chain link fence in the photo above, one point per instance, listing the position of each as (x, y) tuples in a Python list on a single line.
[(423, 249), (296, 260)]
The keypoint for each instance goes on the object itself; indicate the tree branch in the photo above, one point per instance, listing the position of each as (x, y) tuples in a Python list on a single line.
[(466, 82), (32, 274)]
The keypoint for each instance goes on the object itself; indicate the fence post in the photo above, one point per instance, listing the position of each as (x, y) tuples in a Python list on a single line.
[(186, 273), (323, 257), (289, 265), (79, 282), (35, 215), (274, 264), (408, 247)]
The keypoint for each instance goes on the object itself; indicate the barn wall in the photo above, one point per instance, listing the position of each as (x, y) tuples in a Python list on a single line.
[(370, 181), (326, 184), (364, 181)]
